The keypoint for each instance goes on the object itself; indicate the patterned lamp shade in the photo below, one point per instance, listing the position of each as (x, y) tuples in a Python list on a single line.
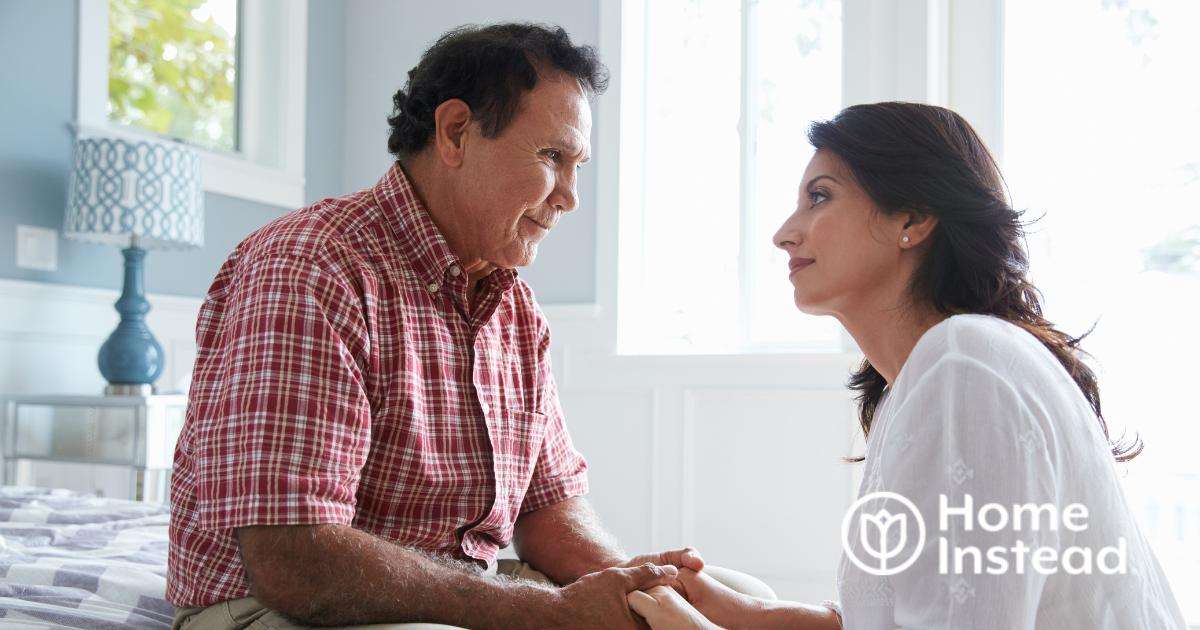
[(121, 189)]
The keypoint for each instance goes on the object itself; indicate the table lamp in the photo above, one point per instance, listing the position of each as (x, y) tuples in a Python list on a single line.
[(136, 195)]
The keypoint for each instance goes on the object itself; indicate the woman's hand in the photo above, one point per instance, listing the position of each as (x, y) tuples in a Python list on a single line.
[(717, 602), (664, 609)]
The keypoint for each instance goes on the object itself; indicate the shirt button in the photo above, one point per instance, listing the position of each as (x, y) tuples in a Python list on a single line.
[(433, 287), (455, 271), (485, 407)]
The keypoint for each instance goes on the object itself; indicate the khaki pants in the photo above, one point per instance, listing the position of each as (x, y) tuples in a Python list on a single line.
[(245, 613)]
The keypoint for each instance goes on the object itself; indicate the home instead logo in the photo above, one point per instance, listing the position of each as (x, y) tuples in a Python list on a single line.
[(890, 535)]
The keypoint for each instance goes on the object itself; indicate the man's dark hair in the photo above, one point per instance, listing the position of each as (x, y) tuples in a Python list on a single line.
[(489, 68)]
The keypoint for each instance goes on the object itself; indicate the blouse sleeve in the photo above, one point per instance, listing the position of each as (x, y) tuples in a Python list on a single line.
[(965, 436)]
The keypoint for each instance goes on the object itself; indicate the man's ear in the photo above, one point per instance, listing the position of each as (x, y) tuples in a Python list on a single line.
[(917, 227), (451, 120)]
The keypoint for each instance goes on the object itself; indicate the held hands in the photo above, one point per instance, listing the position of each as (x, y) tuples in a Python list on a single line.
[(709, 604), (687, 558), (664, 609), (598, 600)]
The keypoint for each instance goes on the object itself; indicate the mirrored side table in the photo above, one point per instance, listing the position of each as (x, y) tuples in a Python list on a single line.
[(135, 432)]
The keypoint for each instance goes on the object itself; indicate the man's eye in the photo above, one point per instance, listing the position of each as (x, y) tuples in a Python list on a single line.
[(551, 153)]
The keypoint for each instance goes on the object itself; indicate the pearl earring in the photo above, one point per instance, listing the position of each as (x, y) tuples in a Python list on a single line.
[(905, 239)]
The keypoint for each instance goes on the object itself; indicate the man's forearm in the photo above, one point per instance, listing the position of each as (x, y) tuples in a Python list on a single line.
[(337, 575), (566, 541)]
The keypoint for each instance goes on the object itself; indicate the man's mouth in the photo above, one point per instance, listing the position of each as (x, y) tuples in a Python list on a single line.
[(798, 263), (544, 226)]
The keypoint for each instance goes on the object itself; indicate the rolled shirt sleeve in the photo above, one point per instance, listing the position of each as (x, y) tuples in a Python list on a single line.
[(293, 428)]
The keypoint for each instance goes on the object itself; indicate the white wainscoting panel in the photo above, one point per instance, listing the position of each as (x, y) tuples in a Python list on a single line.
[(615, 430), (763, 492), (745, 461), (50, 335)]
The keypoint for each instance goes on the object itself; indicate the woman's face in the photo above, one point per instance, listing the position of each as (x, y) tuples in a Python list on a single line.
[(845, 254)]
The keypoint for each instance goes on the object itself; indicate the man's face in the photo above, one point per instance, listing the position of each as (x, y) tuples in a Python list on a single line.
[(515, 187)]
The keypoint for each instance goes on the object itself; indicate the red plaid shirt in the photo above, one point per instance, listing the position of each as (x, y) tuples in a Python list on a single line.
[(338, 380)]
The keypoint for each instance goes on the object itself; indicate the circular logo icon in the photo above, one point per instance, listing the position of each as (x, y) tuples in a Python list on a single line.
[(883, 534)]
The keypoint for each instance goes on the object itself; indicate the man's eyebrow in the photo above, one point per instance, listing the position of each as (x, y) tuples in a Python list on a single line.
[(570, 148), (812, 181)]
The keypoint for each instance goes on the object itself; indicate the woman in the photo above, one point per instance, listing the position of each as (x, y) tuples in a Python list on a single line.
[(980, 416)]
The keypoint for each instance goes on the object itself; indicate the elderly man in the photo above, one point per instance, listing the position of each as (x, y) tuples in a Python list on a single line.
[(372, 415)]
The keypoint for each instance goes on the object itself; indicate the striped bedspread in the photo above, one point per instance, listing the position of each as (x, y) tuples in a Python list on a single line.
[(69, 560)]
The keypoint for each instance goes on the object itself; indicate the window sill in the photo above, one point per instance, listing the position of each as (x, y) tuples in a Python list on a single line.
[(274, 77), (228, 174)]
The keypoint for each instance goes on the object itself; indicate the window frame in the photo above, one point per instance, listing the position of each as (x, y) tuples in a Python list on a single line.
[(943, 52), (268, 166)]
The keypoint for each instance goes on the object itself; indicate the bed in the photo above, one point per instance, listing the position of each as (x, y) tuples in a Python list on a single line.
[(70, 560)]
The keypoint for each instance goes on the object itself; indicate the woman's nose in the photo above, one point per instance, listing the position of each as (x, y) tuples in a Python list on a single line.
[(788, 234)]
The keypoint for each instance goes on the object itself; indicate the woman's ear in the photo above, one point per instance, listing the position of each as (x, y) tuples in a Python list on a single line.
[(451, 119), (917, 228)]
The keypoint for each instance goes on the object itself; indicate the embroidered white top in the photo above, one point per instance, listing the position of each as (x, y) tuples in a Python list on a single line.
[(983, 416)]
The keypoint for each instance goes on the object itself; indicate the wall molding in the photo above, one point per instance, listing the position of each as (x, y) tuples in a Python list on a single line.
[(50, 335), (568, 312)]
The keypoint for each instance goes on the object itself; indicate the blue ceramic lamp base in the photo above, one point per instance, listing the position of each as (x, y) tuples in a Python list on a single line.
[(131, 356)]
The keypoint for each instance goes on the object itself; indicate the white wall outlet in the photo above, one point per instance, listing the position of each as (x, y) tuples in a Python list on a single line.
[(37, 248)]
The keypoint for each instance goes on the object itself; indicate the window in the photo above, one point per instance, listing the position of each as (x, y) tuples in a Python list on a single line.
[(713, 149), (1102, 140), (173, 68), (258, 151)]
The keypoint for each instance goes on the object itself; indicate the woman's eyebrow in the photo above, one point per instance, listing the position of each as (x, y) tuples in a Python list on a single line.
[(814, 180)]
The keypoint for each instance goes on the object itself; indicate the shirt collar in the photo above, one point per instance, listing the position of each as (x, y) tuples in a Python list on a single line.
[(428, 251)]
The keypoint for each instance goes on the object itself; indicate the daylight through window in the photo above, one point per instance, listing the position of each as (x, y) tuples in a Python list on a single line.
[(1102, 142), (173, 68), (728, 90)]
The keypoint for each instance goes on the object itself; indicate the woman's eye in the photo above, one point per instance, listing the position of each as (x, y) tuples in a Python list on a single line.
[(816, 198)]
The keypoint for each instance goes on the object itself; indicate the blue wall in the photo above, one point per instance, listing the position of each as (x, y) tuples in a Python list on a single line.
[(38, 53), (38, 57)]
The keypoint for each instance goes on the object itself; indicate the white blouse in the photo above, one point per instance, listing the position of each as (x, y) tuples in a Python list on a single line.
[(982, 409)]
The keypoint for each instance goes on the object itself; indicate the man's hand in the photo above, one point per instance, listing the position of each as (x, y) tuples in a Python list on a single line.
[(598, 600), (664, 609), (687, 558)]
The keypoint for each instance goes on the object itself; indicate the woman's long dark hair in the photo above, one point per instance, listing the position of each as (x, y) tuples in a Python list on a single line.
[(913, 157)]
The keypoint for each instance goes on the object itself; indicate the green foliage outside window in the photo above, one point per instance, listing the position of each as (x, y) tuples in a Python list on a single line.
[(172, 73)]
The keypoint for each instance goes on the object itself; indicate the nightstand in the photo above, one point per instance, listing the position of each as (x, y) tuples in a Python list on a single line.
[(136, 432)]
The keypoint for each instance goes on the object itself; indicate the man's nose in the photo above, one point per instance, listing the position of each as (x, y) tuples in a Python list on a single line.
[(565, 197)]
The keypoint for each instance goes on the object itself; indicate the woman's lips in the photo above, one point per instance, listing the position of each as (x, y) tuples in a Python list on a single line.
[(796, 264)]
